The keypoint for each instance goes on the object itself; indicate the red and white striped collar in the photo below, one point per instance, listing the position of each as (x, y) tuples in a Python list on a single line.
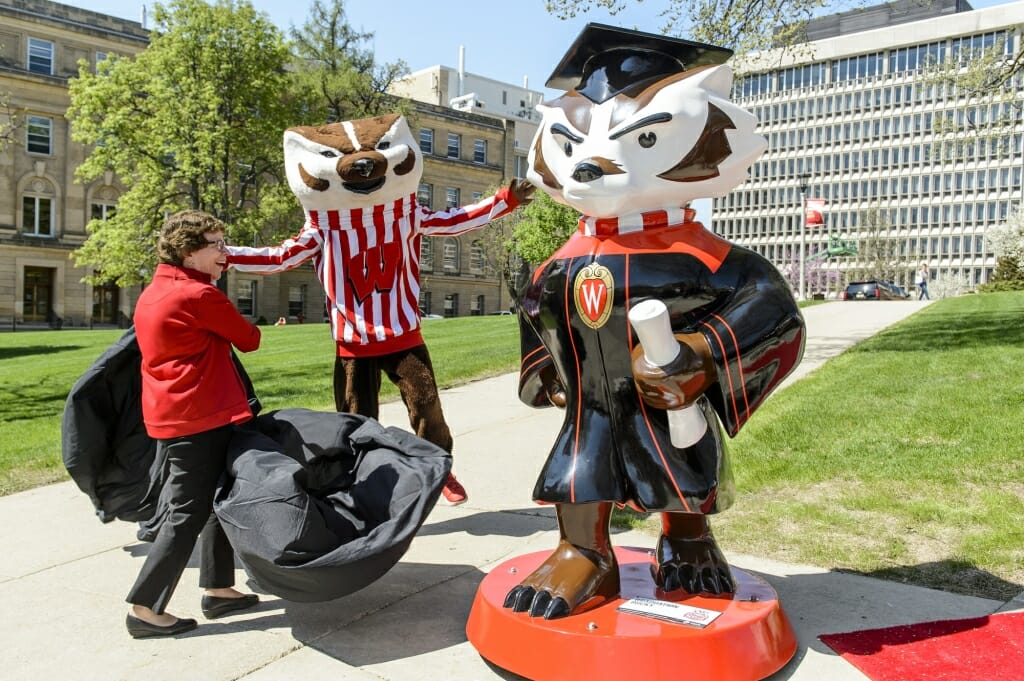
[(348, 218), (635, 222)]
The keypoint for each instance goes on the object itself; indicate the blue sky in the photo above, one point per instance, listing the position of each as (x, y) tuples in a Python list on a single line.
[(506, 41)]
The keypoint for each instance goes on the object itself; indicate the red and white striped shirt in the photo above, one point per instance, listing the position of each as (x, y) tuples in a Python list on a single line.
[(368, 261)]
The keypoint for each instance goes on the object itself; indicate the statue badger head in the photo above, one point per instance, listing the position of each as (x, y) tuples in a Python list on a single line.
[(352, 164), (645, 125)]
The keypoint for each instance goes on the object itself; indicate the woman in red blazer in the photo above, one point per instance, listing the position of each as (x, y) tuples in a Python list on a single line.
[(192, 396)]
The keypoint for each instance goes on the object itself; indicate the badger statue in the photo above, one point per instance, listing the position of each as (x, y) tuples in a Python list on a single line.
[(644, 127)]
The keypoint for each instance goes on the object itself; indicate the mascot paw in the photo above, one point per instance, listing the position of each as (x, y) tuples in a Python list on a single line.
[(694, 565), (567, 581), (522, 190)]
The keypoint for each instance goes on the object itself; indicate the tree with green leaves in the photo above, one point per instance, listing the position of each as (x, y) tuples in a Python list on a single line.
[(334, 77), (193, 121), (527, 237), (981, 76), (743, 26), (1007, 242), (878, 254), (541, 228)]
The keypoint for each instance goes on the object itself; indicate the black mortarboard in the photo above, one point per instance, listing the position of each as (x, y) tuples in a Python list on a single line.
[(606, 60)]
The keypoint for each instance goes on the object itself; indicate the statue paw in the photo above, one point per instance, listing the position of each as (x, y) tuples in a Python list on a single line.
[(694, 565), (565, 582)]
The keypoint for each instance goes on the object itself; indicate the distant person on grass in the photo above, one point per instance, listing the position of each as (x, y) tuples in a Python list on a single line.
[(921, 280), (192, 397)]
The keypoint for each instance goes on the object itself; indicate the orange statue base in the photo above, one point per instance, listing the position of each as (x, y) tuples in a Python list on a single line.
[(742, 637)]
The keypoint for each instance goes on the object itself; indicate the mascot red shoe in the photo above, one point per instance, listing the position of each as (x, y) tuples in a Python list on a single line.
[(357, 182), (645, 127)]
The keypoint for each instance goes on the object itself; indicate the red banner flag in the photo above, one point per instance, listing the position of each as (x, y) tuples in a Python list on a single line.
[(815, 209)]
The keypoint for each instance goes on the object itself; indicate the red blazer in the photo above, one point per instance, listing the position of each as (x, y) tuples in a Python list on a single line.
[(185, 327)]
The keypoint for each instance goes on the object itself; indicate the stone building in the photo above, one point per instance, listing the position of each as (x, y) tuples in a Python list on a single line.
[(44, 211)]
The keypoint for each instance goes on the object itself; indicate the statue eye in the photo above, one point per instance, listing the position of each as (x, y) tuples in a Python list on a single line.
[(329, 154), (647, 139), (567, 148), (384, 145)]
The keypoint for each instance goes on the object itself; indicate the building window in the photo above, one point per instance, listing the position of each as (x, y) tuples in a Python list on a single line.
[(247, 298), (451, 255), (522, 165), (297, 302), (451, 305), (454, 145), (476, 306), (451, 197), (426, 140), (39, 133), (425, 195), (425, 300), (37, 215), (427, 254), (480, 151), (37, 301), (40, 56), (476, 258), (102, 211)]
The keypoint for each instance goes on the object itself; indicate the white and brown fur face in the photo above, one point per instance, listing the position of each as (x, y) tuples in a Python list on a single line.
[(352, 164), (679, 139)]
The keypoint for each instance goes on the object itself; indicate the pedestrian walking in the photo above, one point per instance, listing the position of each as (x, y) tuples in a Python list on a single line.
[(921, 280)]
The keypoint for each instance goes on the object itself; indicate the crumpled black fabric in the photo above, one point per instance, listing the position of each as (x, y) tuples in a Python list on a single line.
[(104, 444), (316, 504)]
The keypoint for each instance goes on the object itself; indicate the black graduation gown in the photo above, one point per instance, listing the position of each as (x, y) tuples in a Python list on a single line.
[(573, 317)]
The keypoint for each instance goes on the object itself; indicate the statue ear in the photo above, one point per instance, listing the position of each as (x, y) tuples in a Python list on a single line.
[(717, 80)]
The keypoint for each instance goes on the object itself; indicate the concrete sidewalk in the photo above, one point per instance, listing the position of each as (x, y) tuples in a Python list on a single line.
[(65, 575)]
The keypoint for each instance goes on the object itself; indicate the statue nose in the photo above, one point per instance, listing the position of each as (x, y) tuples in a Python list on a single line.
[(586, 171), (363, 167)]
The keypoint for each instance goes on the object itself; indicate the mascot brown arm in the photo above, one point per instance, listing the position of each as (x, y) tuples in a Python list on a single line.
[(682, 381)]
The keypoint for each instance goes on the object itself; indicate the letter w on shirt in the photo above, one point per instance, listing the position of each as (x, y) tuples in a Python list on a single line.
[(375, 269)]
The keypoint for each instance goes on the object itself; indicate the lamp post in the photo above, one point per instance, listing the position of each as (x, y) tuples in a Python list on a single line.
[(803, 178)]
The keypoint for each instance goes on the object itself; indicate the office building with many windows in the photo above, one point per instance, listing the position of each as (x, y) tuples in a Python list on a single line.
[(851, 120)]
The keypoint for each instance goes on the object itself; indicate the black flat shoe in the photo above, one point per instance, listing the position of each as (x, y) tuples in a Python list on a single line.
[(214, 607), (143, 629)]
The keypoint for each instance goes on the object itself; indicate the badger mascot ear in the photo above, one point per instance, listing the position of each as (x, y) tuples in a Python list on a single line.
[(717, 80)]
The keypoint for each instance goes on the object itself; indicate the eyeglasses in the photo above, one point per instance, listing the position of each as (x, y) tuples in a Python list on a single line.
[(219, 244)]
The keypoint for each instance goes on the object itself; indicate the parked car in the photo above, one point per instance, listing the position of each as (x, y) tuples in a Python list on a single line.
[(425, 315), (872, 290)]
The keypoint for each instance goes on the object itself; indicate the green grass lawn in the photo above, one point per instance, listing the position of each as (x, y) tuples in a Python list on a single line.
[(899, 459), (294, 367)]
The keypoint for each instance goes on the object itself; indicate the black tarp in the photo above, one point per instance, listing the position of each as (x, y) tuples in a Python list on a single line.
[(316, 504)]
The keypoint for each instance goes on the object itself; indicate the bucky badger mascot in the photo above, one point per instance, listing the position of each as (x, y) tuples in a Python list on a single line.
[(644, 127), (357, 182)]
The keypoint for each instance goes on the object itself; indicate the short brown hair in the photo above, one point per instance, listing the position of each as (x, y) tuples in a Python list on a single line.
[(183, 234)]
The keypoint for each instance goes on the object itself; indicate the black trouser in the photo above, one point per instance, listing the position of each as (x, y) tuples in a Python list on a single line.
[(195, 462), (357, 390)]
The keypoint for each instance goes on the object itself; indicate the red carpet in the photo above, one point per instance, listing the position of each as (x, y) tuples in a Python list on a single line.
[(977, 649)]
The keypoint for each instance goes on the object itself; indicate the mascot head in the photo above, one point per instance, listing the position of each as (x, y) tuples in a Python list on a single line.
[(645, 125), (352, 164)]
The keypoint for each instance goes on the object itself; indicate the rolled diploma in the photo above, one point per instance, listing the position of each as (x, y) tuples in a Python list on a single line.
[(650, 321)]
